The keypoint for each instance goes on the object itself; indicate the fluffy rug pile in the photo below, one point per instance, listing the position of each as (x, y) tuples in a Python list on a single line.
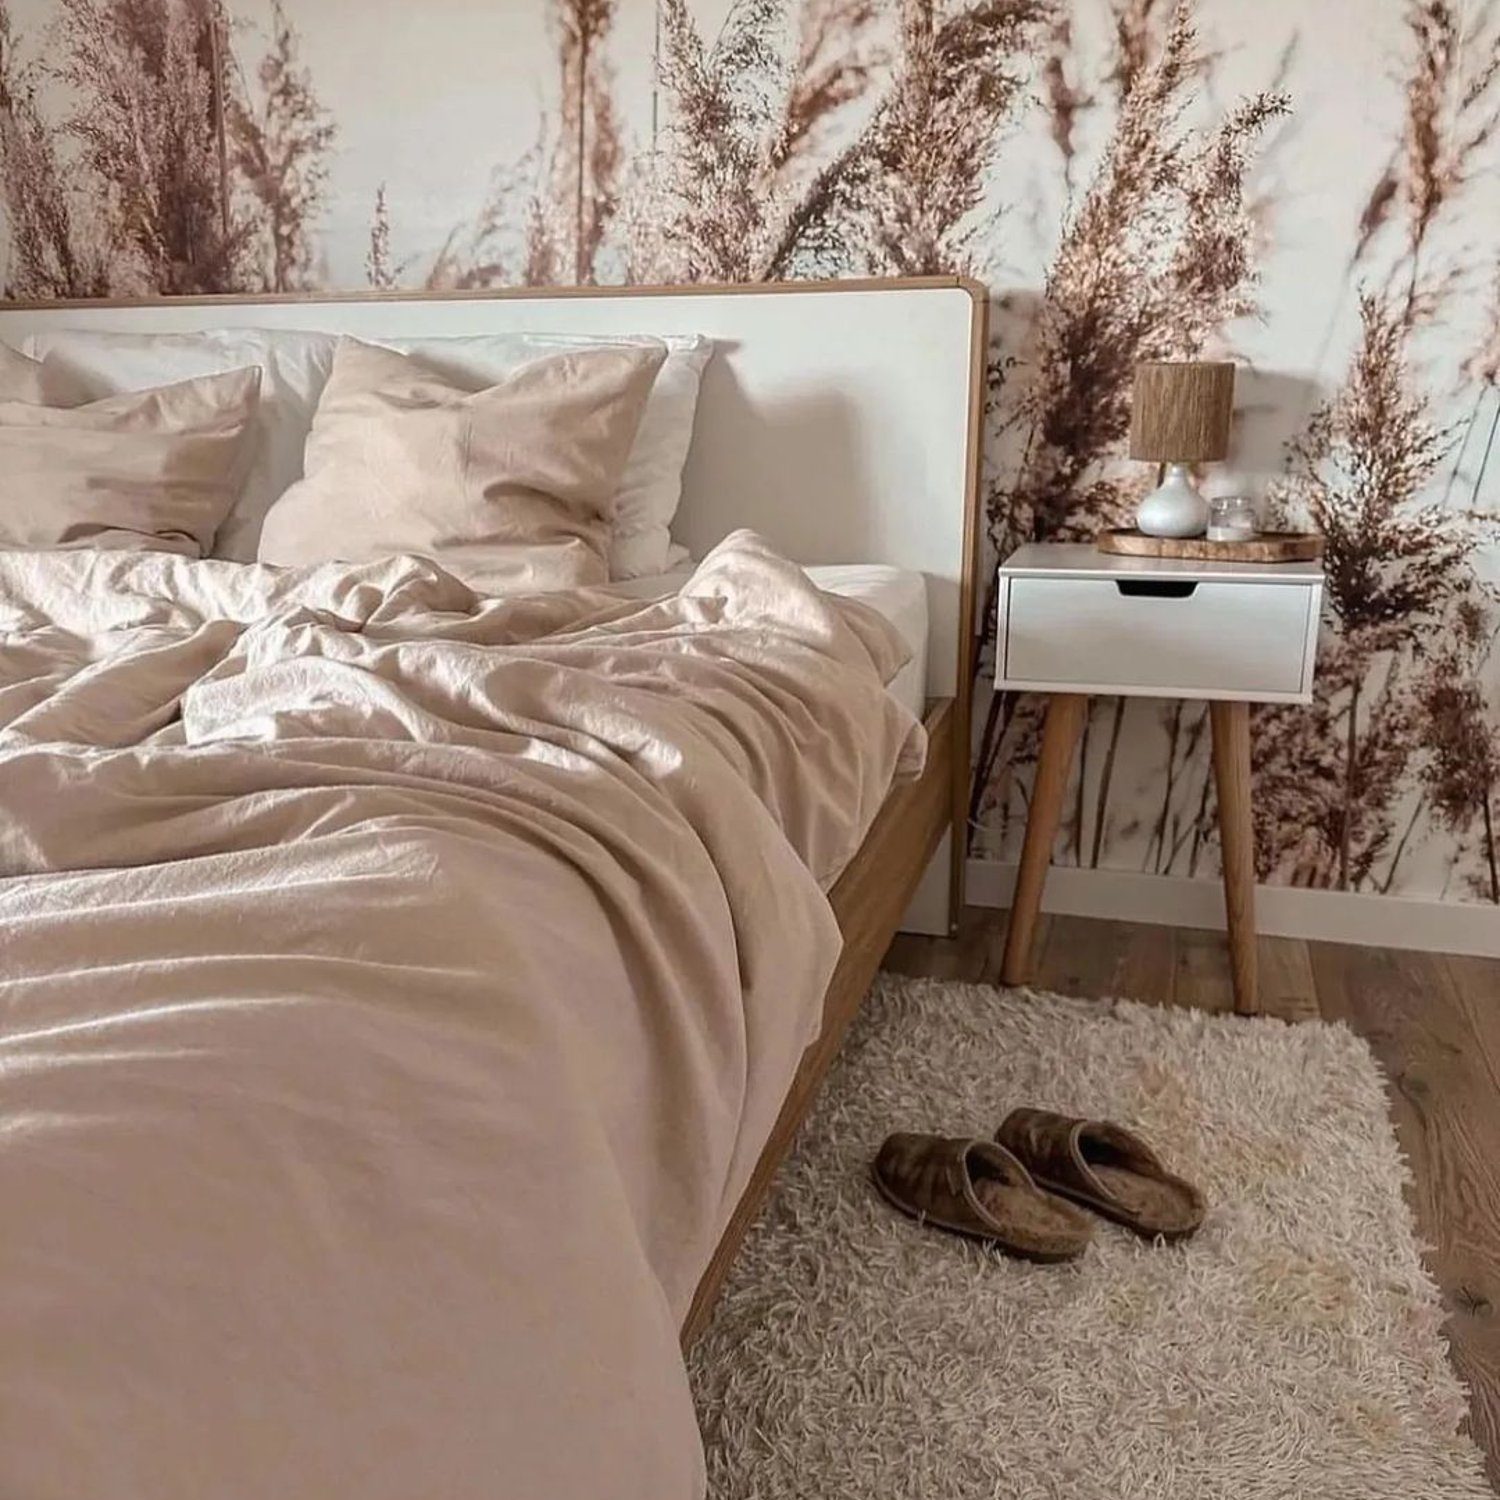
[(1290, 1349)]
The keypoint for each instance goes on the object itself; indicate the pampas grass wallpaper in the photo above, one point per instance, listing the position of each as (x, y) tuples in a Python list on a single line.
[(1313, 191)]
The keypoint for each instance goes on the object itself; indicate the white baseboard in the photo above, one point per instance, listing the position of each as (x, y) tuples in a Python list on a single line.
[(1281, 911), (929, 911)]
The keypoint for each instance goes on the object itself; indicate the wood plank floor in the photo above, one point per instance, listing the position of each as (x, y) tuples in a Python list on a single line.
[(1433, 1021)]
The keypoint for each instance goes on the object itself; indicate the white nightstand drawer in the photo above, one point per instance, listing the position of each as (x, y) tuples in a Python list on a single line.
[(1160, 636)]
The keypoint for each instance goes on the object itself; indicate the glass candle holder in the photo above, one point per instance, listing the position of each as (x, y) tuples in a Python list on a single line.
[(1231, 518)]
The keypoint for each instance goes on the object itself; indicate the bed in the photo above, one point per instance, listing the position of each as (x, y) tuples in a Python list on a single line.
[(177, 1102)]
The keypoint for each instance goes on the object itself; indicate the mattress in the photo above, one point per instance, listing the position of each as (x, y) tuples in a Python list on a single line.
[(896, 593)]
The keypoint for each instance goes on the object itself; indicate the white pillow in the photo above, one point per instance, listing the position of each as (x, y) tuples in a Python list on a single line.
[(295, 367), (651, 487)]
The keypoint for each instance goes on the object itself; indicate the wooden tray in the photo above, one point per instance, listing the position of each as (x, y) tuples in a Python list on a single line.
[(1265, 547)]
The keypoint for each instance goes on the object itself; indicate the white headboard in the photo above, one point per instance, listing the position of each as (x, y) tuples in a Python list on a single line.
[(838, 419)]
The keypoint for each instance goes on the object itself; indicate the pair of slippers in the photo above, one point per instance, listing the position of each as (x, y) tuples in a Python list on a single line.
[(1018, 1191)]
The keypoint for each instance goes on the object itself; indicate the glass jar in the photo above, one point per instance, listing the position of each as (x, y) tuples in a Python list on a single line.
[(1231, 518)]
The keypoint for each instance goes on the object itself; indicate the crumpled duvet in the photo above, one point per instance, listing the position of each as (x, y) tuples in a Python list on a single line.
[(396, 990)]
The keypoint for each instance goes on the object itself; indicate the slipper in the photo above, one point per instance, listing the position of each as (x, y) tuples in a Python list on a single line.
[(1105, 1168), (979, 1189)]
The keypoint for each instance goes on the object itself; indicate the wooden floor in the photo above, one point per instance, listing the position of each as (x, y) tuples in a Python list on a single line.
[(1432, 1019)]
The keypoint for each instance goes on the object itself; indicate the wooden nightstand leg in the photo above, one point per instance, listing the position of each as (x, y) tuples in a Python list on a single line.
[(1231, 731), (1065, 715)]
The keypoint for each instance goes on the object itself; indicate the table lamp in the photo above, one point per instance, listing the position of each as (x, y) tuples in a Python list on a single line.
[(1179, 415)]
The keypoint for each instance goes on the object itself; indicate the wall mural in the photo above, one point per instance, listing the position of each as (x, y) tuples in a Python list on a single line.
[(1312, 190)]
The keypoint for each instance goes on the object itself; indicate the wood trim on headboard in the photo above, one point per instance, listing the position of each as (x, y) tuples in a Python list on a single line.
[(963, 701), (513, 293)]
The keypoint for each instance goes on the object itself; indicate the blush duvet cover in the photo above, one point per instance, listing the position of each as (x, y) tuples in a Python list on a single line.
[(396, 990)]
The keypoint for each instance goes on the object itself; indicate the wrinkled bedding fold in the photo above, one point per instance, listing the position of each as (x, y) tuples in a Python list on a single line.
[(396, 989)]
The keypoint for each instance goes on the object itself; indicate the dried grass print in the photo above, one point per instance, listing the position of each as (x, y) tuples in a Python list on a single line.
[(165, 170), (1400, 584), (1452, 113)]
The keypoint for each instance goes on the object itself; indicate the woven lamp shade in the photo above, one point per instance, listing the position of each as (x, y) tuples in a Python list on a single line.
[(1180, 411)]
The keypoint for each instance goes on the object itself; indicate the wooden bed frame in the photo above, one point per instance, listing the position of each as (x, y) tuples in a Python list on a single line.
[(887, 369)]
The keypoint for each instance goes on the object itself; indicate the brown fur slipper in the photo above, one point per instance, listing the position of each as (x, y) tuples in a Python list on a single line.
[(1105, 1168), (979, 1189)]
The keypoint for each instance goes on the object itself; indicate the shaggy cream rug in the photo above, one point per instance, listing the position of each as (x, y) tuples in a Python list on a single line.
[(1291, 1349)]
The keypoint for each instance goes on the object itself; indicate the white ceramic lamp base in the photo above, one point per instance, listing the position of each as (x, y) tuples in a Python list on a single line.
[(1174, 507)]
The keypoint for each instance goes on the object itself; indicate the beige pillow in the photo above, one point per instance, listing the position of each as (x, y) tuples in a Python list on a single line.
[(510, 487), (25, 379), (150, 471)]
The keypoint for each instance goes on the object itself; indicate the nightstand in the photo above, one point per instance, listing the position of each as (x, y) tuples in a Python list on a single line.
[(1075, 622)]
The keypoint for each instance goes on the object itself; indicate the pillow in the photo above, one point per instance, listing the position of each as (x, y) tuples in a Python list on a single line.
[(508, 487), (149, 470), (295, 368), (26, 380), (651, 487)]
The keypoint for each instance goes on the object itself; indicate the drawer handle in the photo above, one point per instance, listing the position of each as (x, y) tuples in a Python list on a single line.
[(1157, 588)]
